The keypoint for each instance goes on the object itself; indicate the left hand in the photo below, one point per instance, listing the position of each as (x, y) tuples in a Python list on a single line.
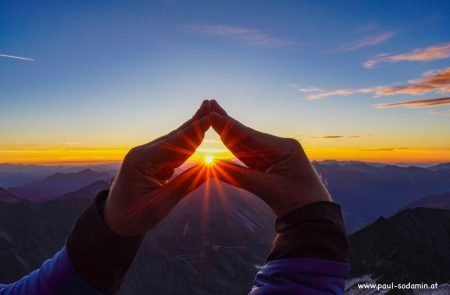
[(141, 196)]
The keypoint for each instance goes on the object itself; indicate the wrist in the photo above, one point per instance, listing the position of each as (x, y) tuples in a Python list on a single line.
[(115, 221), (300, 199)]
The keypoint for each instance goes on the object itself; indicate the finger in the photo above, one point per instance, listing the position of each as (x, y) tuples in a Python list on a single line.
[(250, 180), (162, 200), (183, 184), (163, 172), (249, 146), (215, 107), (204, 110), (178, 147)]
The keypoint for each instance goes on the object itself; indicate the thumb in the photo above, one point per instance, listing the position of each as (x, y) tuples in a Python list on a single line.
[(256, 182)]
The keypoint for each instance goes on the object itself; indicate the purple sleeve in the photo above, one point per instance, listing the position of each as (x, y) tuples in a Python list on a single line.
[(301, 276), (93, 262), (309, 254), (56, 276)]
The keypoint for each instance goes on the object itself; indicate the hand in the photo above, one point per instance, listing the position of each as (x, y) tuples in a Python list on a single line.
[(279, 172), (141, 196)]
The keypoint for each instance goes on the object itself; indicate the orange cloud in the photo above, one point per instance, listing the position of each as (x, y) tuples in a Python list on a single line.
[(422, 103), (420, 54), (433, 81), (365, 42)]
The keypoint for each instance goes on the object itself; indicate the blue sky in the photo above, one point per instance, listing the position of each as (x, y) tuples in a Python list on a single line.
[(101, 74)]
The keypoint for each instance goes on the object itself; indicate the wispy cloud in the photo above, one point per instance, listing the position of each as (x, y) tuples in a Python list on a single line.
[(437, 81), (384, 149), (353, 136), (305, 89), (336, 92), (422, 103), (432, 81), (427, 54), (16, 57), (326, 137), (365, 42), (445, 113), (244, 35)]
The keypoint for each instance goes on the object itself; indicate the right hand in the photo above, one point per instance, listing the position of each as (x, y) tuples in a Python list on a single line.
[(279, 172)]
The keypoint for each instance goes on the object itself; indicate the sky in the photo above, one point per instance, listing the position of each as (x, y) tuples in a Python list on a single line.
[(84, 81)]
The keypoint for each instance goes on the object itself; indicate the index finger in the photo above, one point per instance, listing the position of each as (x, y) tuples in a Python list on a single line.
[(252, 147), (204, 109), (179, 146)]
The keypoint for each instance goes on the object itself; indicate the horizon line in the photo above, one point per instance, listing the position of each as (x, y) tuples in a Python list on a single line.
[(118, 162)]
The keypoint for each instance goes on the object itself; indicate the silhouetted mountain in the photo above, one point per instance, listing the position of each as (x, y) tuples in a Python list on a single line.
[(8, 179), (57, 184), (367, 191), (85, 195), (211, 243), (7, 197), (440, 201), (31, 233), (411, 246), (16, 175)]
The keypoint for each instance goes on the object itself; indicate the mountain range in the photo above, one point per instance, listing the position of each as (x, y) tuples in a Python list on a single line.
[(214, 241), (368, 191), (440, 201), (57, 184), (7, 197)]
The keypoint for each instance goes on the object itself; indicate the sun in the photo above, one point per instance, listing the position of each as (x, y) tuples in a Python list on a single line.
[(209, 160)]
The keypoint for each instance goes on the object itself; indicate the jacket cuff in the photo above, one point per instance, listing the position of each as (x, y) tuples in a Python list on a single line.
[(100, 256), (315, 230)]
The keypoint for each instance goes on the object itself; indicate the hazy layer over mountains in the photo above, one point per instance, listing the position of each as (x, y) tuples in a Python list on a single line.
[(365, 191)]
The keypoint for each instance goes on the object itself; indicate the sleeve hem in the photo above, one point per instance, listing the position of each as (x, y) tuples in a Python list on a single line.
[(316, 230)]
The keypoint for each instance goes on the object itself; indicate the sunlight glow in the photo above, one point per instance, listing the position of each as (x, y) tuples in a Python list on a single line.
[(209, 160)]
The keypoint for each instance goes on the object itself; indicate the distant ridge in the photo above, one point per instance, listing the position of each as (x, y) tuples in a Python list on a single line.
[(442, 166), (58, 184), (85, 195), (439, 201), (367, 191), (7, 197)]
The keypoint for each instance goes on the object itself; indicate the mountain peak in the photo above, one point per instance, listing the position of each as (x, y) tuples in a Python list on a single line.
[(411, 246), (438, 201), (58, 184)]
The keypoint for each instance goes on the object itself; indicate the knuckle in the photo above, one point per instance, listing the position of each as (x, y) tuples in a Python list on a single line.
[(293, 144), (132, 152)]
